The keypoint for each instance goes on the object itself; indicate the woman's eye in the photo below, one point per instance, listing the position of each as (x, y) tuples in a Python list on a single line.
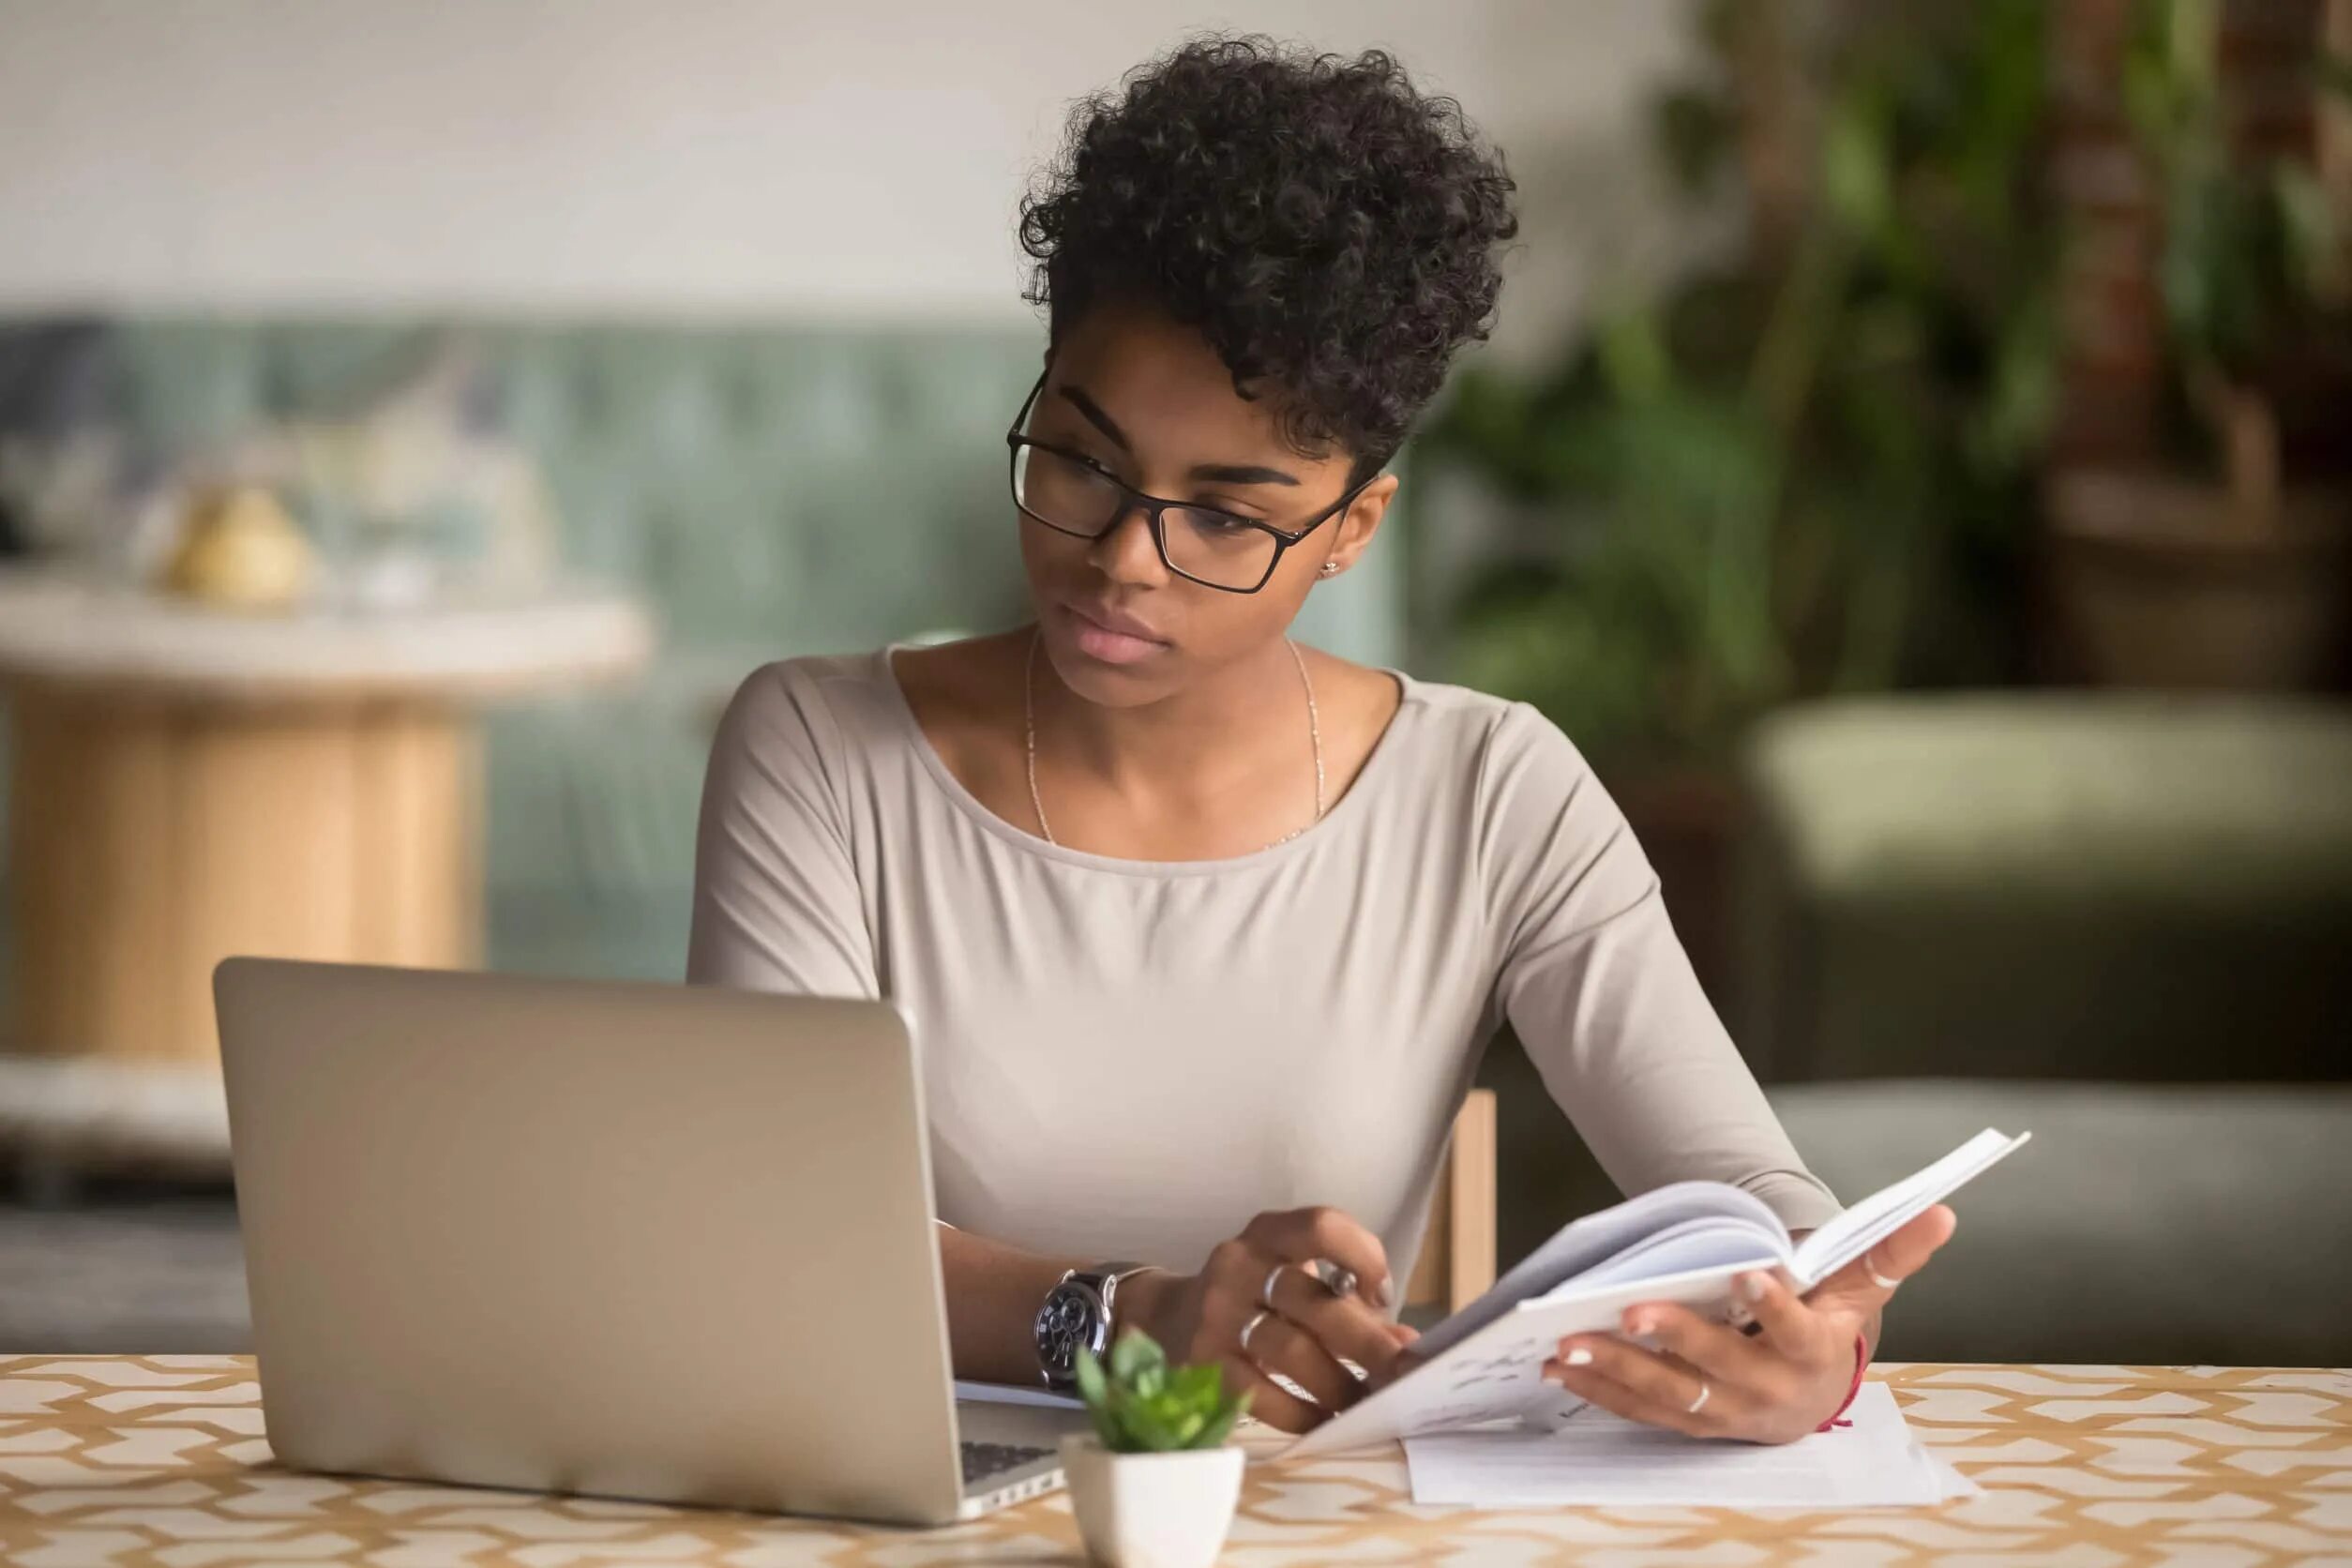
[(1221, 522), (1082, 468)]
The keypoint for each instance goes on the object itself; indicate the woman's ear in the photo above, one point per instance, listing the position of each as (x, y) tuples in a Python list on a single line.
[(1359, 522)]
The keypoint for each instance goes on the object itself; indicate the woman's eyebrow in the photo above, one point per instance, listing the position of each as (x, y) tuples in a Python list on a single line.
[(1241, 473), (1213, 473)]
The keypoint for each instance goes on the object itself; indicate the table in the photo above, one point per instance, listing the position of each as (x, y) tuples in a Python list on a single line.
[(189, 782), (161, 1461)]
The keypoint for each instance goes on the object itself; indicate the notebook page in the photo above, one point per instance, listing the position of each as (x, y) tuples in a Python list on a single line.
[(1891, 1207), (1601, 1460), (1594, 1238), (1711, 1242)]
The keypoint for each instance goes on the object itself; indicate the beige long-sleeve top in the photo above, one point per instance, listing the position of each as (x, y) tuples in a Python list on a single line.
[(1129, 1059)]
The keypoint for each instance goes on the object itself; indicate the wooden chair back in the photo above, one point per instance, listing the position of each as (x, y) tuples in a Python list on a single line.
[(1457, 1251)]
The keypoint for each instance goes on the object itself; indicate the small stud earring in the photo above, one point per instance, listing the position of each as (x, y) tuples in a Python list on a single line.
[(1330, 568)]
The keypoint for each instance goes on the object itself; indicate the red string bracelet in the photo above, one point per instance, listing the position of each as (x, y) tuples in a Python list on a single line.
[(1861, 1364)]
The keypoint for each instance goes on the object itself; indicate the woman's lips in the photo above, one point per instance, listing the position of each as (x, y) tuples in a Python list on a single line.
[(1108, 643)]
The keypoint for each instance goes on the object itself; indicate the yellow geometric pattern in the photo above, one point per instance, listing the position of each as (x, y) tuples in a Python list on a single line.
[(159, 1462)]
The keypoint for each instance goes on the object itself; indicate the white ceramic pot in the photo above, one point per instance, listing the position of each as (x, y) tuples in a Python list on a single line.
[(1151, 1510)]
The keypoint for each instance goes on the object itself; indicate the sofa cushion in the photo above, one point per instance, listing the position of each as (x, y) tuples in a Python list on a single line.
[(2089, 885), (2169, 1224)]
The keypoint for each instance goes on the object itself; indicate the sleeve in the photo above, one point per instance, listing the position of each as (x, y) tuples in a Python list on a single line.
[(1600, 993), (777, 902)]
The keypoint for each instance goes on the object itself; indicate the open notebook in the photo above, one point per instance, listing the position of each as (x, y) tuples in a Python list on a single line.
[(1685, 1243)]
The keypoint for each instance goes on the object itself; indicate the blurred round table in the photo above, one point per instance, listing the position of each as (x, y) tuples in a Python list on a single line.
[(190, 782)]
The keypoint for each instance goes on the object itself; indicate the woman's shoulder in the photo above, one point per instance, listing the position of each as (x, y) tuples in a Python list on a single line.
[(841, 706), (1537, 822), (1490, 736), (818, 708), (809, 686)]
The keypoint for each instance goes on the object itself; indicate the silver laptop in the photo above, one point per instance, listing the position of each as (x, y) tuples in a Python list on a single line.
[(657, 1242)]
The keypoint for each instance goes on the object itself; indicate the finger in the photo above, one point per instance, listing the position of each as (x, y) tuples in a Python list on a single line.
[(1723, 1354), (1278, 1345), (1343, 1325), (1789, 1326), (1667, 1391), (1869, 1281), (1237, 1276), (1905, 1253), (1268, 1401), (1633, 1404), (1304, 1235)]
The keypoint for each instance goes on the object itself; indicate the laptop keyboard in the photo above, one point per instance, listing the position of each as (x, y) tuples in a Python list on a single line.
[(984, 1459)]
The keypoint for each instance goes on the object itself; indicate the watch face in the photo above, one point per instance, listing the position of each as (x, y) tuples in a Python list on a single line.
[(1071, 1322)]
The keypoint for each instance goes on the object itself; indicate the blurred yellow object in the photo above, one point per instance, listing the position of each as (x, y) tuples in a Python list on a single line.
[(240, 550)]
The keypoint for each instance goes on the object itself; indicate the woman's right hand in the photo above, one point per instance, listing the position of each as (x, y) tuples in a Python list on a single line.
[(1302, 1329)]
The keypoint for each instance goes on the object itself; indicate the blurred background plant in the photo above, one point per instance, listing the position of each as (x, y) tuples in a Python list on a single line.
[(2251, 265), (2218, 555), (1807, 467)]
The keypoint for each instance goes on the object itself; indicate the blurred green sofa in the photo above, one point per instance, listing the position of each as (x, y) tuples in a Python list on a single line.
[(772, 488), (2050, 884), (2122, 922)]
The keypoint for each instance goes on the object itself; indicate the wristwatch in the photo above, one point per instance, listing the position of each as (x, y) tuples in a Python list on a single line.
[(1077, 1317)]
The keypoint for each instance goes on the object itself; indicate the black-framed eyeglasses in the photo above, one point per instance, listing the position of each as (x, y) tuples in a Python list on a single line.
[(1071, 494)]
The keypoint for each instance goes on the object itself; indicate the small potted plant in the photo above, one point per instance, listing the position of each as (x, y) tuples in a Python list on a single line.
[(1155, 1484)]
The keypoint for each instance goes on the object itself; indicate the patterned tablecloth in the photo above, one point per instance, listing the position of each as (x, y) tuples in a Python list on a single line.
[(161, 1461)]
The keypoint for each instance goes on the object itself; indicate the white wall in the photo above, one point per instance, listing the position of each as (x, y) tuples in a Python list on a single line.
[(859, 158)]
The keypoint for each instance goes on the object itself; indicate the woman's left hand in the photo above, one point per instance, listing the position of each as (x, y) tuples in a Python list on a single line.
[(1772, 1386)]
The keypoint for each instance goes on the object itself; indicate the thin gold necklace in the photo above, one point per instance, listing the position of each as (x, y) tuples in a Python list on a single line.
[(1029, 726)]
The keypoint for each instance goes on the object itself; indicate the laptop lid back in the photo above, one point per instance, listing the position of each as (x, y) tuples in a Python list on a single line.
[(642, 1241)]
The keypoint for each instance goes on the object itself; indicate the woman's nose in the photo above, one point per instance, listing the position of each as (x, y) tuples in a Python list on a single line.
[(1126, 552)]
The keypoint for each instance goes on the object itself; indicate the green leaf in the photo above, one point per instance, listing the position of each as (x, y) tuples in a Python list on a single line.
[(1195, 1380), (2308, 230), (1149, 1428), (1093, 1386), (1857, 161), (1634, 355), (1136, 1353), (1094, 1389), (1220, 1426), (1695, 133)]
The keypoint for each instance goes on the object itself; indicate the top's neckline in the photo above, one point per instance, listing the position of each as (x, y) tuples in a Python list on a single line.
[(1341, 810)]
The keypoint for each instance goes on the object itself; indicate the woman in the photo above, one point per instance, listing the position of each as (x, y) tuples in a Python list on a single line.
[(1197, 925)]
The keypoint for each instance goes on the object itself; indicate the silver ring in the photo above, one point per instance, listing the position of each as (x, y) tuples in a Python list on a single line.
[(1700, 1403), (1265, 1292), (1339, 1279), (1881, 1281), (1250, 1327)]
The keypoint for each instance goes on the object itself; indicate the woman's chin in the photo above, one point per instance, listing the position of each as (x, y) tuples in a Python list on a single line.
[(1123, 679)]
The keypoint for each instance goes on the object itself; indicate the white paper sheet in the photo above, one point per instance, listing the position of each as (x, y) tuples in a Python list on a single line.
[(1601, 1460)]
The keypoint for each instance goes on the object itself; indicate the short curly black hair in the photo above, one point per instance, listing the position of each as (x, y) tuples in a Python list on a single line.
[(1332, 231)]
